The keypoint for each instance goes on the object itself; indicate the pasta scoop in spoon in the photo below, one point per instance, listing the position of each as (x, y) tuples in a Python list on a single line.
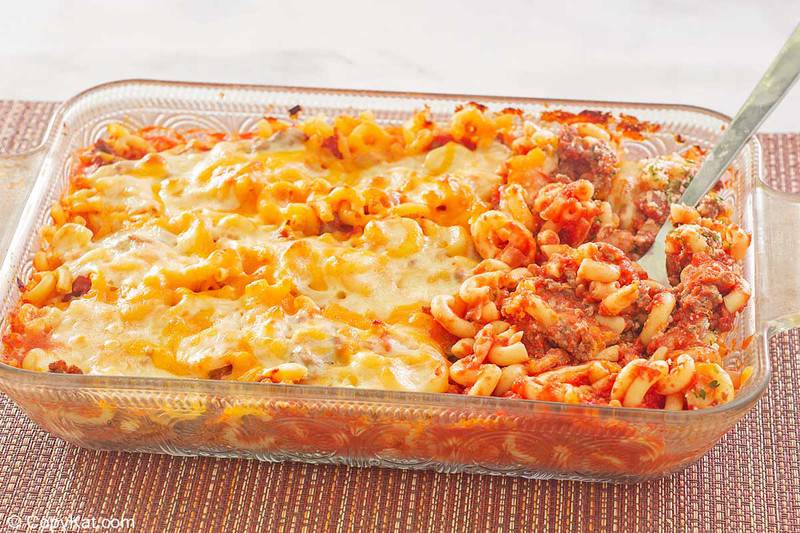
[(771, 89)]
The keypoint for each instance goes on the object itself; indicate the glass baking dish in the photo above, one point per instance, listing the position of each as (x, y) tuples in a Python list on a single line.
[(448, 433)]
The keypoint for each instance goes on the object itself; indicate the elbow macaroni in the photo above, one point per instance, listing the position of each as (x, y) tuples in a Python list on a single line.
[(493, 255)]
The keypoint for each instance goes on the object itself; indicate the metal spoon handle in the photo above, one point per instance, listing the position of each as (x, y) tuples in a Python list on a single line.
[(774, 85)]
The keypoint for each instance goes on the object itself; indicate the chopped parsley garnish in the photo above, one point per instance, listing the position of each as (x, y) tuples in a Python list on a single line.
[(714, 384), (701, 394)]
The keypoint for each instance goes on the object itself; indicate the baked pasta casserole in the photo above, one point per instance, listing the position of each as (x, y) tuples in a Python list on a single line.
[(486, 253)]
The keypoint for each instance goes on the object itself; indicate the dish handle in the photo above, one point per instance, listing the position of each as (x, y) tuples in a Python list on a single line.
[(17, 177), (777, 248)]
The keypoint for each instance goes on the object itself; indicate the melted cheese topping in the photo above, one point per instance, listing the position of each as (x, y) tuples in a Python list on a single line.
[(237, 261), (346, 253)]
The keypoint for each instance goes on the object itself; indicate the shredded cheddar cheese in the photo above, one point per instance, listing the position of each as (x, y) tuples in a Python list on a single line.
[(493, 255)]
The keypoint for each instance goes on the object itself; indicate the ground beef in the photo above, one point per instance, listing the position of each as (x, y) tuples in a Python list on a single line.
[(644, 237), (221, 372), (586, 158), (654, 205), (580, 337), (710, 207), (80, 286), (532, 339), (576, 331), (61, 367), (628, 351), (700, 293), (700, 299), (621, 238), (676, 262), (690, 331)]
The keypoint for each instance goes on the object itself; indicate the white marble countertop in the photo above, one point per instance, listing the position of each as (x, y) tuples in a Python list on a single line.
[(706, 53)]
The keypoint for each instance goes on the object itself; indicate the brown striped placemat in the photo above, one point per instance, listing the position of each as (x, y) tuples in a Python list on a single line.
[(749, 482)]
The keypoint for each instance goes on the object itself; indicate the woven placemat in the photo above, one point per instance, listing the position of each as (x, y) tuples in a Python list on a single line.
[(750, 481)]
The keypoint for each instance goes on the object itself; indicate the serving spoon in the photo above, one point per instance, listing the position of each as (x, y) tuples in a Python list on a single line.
[(769, 91)]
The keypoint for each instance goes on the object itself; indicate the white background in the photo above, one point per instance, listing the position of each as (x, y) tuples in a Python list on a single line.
[(703, 52)]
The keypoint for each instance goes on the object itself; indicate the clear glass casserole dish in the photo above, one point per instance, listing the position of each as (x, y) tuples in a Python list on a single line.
[(450, 433)]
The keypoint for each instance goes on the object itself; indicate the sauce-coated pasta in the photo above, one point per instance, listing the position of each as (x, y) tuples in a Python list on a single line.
[(491, 255)]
